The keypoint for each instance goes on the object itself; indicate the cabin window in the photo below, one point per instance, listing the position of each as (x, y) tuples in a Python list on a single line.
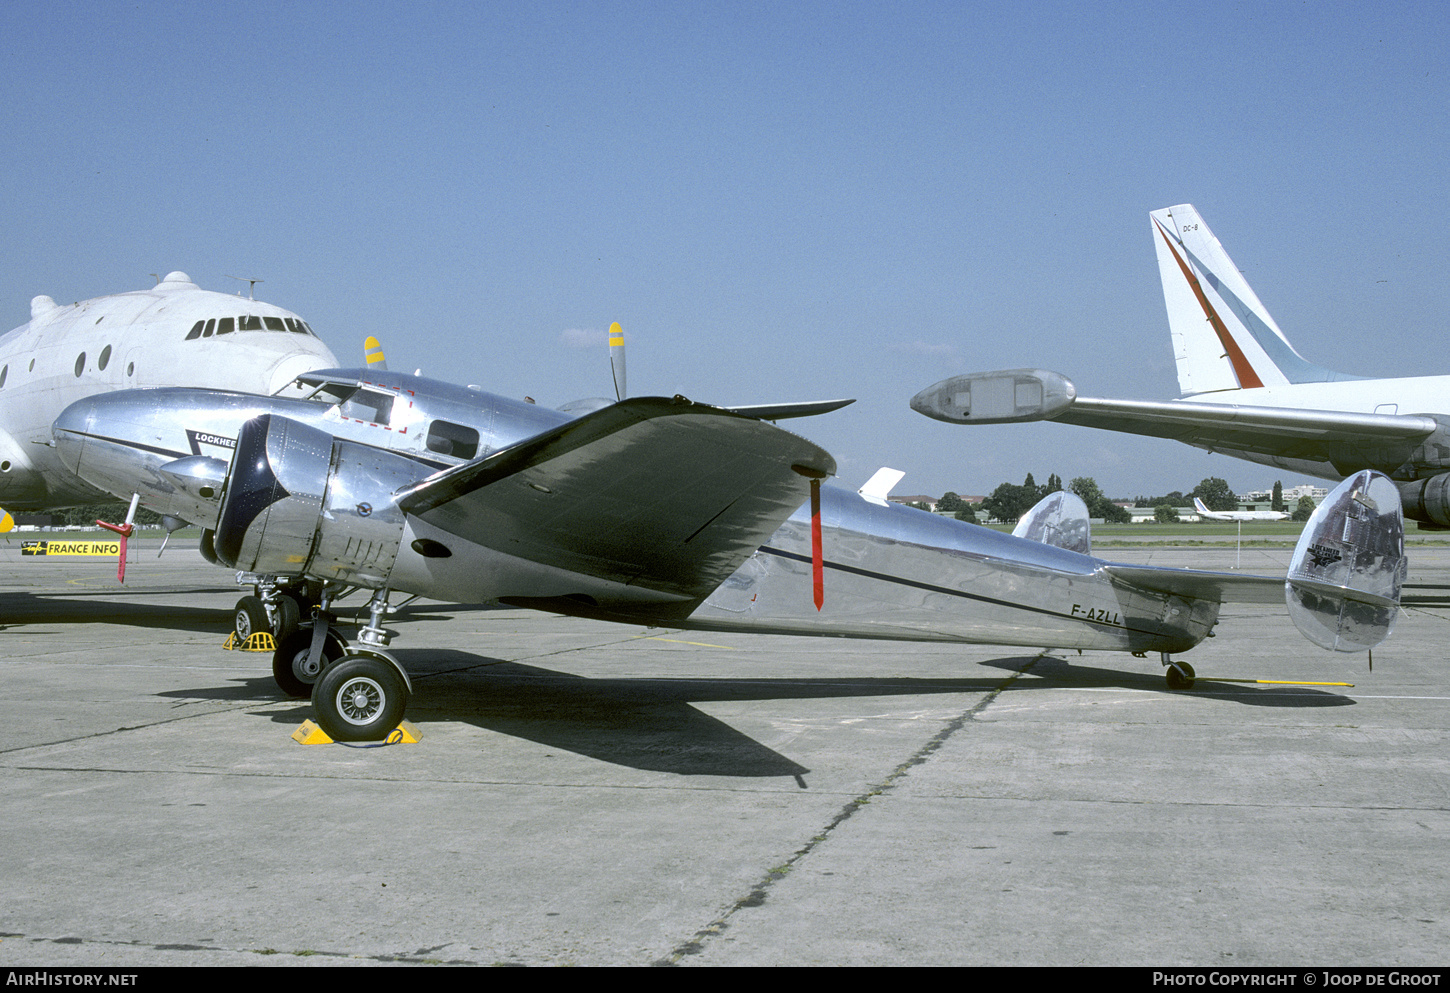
[(249, 322), (365, 405), (80, 364), (226, 325), (453, 440), (105, 357), (274, 324), (210, 327), (195, 331)]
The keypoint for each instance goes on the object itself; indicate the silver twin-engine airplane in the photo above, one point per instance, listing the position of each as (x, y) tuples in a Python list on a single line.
[(1247, 392), (172, 334), (657, 511)]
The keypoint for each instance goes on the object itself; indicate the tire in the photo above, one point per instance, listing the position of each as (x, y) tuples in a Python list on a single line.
[(289, 661), (288, 618), (360, 698), (1178, 679), (251, 618)]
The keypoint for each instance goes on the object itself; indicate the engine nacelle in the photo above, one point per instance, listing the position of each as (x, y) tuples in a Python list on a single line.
[(300, 502), (1428, 500)]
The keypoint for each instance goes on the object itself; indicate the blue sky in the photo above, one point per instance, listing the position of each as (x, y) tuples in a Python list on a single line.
[(779, 201)]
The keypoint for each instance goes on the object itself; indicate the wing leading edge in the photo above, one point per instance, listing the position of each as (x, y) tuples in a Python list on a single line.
[(662, 493)]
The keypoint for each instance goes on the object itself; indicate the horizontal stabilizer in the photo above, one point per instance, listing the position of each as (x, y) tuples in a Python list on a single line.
[(1059, 519), (1344, 582)]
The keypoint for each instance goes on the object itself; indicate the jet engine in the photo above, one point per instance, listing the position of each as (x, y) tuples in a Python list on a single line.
[(1428, 500), (297, 502)]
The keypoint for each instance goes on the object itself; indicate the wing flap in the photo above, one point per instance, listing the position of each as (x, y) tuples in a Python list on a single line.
[(661, 493)]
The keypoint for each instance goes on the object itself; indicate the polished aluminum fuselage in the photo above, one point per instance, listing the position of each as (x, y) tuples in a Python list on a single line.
[(890, 571)]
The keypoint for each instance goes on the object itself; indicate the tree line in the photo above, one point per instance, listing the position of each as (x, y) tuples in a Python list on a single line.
[(1008, 502)]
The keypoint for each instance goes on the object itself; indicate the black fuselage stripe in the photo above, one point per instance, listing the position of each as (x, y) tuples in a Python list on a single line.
[(948, 591)]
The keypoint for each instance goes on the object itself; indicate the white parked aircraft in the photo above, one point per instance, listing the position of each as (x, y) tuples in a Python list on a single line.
[(1251, 394), (174, 334), (1237, 515)]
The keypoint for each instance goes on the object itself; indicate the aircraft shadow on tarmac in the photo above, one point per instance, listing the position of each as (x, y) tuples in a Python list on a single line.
[(1058, 672), (652, 723), (18, 609), (129, 606)]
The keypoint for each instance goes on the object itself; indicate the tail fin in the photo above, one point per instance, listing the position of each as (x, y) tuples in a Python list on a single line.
[(1059, 519), (1198, 505), (1223, 337), (1343, 589)]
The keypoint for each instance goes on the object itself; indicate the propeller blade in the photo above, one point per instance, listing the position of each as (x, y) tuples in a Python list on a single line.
[(124, 529), (616, 359), (373, 352)]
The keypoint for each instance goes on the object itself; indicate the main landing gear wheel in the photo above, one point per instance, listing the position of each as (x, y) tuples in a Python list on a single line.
[(1180, 676), (359, 698), (288, 617), (251, 618), (290, 667)]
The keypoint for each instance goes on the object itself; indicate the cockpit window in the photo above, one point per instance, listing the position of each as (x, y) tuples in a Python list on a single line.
[(365, 405), (248, 322), (452, 439)]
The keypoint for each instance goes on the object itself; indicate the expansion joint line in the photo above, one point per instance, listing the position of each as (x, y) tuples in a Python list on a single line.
[(758, 893)]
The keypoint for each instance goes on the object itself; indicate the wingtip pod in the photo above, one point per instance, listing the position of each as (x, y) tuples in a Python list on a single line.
[(1004, 397), (1343, 588)]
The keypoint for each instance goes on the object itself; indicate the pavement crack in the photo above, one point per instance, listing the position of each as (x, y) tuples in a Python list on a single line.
[(758, 893)]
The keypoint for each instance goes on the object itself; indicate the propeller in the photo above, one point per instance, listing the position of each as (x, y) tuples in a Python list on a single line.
[(125, 530), (616, 359), (373, 352)]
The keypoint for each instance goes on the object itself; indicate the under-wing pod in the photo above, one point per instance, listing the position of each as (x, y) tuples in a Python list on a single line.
[(1005, 397), (298, 501), (1343, 589)]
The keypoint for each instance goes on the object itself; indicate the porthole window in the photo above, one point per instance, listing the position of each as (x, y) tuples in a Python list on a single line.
[(3, 373), (130, 369), (32, 366), (100, 364), (80, 364)]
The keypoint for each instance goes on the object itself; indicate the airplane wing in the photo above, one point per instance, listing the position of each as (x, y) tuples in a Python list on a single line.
[(1223, 587), (1267, 430), (1016, 395), (665, 494)]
